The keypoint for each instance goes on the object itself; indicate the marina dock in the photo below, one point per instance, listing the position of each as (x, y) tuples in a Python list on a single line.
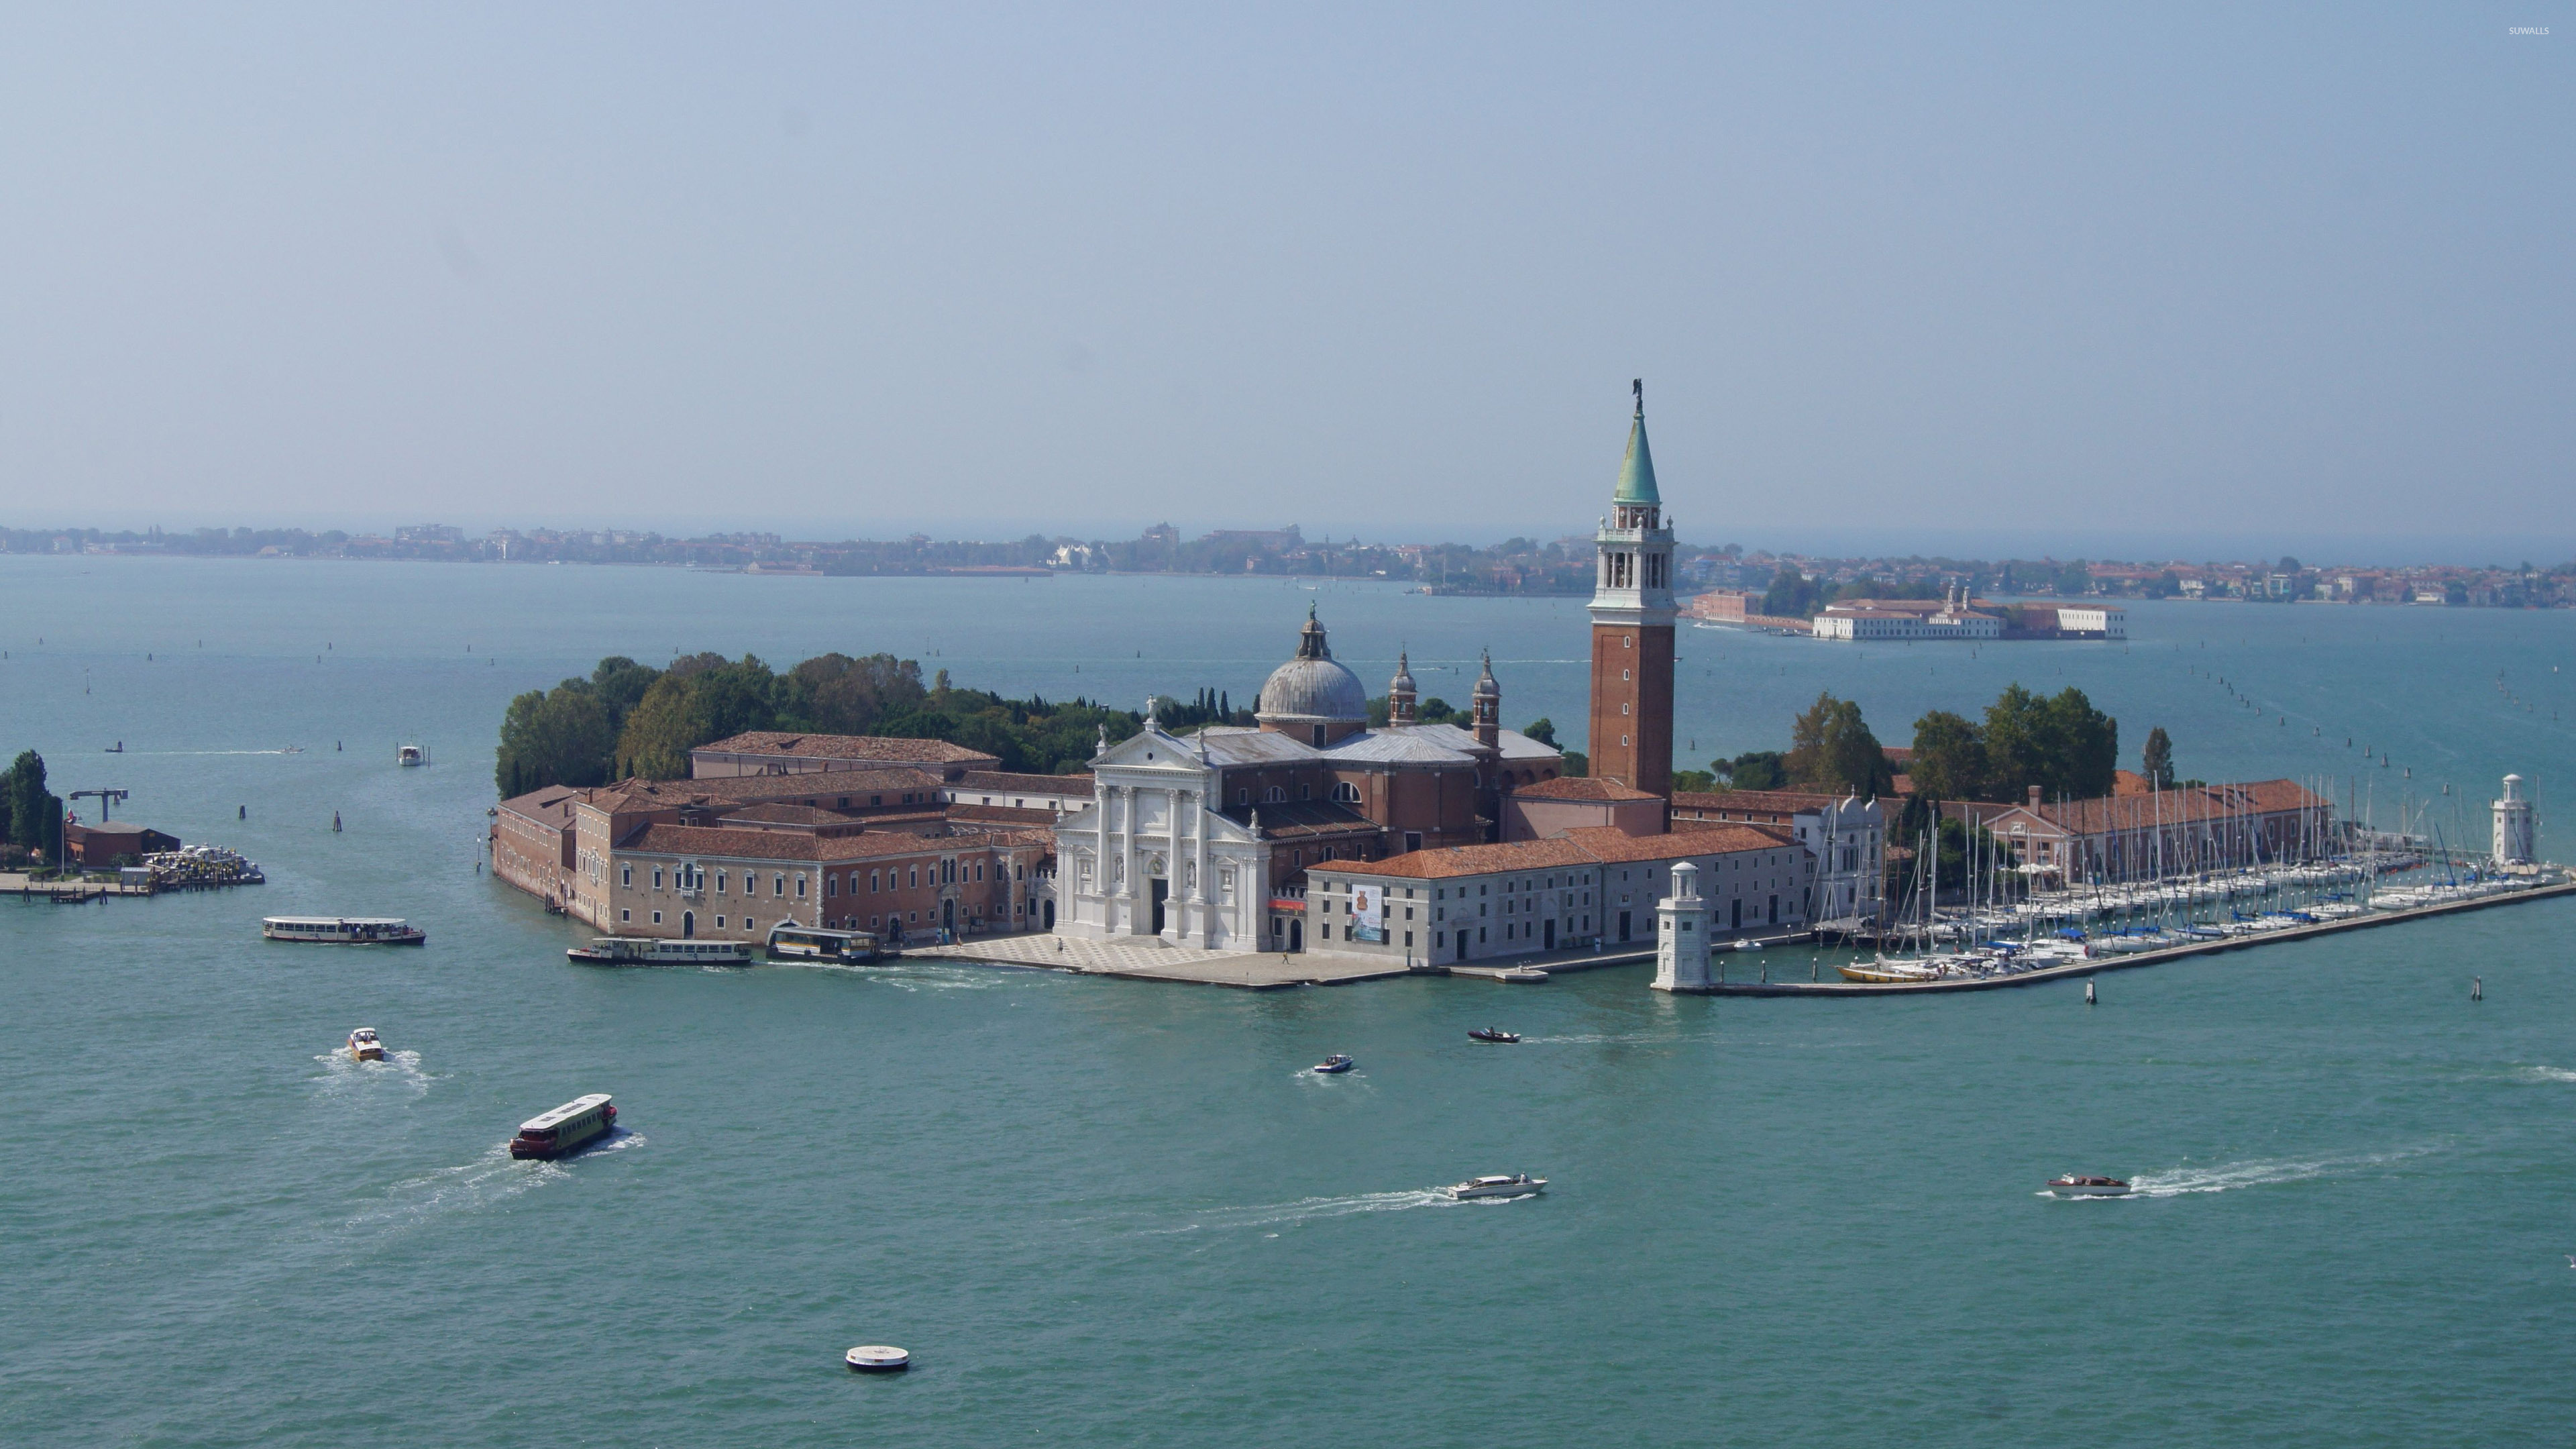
[(2098, 965)]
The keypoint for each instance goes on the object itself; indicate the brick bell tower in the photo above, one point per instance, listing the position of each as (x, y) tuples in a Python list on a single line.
[(1631, 738)]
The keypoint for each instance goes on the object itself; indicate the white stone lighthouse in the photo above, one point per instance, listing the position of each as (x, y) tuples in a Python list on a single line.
[(1681, 934), (2513, 835)]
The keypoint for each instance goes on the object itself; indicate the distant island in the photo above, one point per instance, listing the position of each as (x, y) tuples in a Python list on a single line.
[(1788, 585)]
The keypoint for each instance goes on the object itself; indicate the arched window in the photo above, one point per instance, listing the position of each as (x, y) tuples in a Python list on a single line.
[(1274, 796), (1346, 792)]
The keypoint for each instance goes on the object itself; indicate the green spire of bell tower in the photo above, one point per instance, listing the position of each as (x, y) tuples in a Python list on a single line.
[(1637, 474)]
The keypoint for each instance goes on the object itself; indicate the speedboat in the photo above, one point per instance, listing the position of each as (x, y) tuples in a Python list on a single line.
[(1518, 1184), (2073, 1186), (1332, 1064), (364, 1047), (1494, 1033)]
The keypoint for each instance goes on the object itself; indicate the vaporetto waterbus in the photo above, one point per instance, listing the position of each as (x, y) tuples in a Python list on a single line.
[(818, 943), (552, 1134), (344, 930), (657, 951)]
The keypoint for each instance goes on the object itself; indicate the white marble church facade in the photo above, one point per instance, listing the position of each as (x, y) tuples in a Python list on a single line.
[(1150, 856)]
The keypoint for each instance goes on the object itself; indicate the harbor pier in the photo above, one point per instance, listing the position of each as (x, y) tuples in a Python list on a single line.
[(2094, 966)]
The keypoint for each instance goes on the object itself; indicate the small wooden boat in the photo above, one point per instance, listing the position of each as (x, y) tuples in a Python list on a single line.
[(2074, 1186), (1333, 1064), (1495, 1034)]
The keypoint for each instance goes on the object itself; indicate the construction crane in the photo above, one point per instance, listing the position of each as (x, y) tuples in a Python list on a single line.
[(102, 796)]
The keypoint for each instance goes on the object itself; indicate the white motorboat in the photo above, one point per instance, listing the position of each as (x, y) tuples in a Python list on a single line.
[(364, 1047), (2073, 1186), (1518, 1184)]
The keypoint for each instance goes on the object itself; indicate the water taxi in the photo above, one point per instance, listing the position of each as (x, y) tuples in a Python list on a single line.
[(1495, 1034), (566, 1128), (344, 930), (817, 943), (2074, 1186), (364, 1047), (1333, 1065), (410, 755), (655, 951), (1518, 1184)]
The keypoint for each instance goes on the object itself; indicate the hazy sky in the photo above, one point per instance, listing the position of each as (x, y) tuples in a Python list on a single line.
[(2162, 276)]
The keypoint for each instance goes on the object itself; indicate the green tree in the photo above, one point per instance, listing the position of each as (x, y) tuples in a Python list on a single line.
[(1831, 748), (561, 736), (1754, 770), (1577, 764), (1542, 730), (1792, 595), (35, 813), (1949, 757), (2157, 758), (698, 700), (1694, 782)]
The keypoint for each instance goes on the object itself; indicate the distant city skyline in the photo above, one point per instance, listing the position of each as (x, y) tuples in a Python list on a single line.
[(2202, 281)]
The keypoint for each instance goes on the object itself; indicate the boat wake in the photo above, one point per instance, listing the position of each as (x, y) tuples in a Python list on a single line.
[(2184, 1181), (492, 1178), (1312, 1209), (343, 1074), (2543, 1074)]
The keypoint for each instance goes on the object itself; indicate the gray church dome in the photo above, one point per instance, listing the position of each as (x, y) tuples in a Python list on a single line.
[(1312, 688)]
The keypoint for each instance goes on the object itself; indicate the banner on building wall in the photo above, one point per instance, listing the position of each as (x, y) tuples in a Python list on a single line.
[(1368, 913)]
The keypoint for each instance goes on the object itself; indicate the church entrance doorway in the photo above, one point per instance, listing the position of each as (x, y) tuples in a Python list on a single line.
[(1551, 935), (1050, 915), (948, 914), (1296, 937), (688, 925), (1162, 893)]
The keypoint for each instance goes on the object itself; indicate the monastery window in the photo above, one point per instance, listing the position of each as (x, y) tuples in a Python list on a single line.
[(719, 923), (625, 915), (626, 875), (1305, 792), (831, 884), (1274, 796), (915, 873), (800, 887), (777, 885), (720, 882), (657, 918), (1242, 796), (1346, 792)]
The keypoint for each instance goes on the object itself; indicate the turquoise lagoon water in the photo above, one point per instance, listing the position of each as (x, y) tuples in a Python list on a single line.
[(1106, 1212)]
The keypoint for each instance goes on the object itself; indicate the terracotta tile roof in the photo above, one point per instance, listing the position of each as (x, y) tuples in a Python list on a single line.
[(1613, 846), (1587, 845), (1002, 815), (545, 805), (791, 845), (779, 744), (1581, 788), (1003, 781), (2190, 805), (823, 790), (1296, 819), (807, 816), (1457, 860), (1695, 804)]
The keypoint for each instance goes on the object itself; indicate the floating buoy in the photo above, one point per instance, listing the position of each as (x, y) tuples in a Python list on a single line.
[(2477, 988), (245, 812), (877, 1358), (2088, 993), (335, 822)]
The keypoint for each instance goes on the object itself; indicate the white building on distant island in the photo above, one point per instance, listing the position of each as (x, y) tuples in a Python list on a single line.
[(1868, 619)]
